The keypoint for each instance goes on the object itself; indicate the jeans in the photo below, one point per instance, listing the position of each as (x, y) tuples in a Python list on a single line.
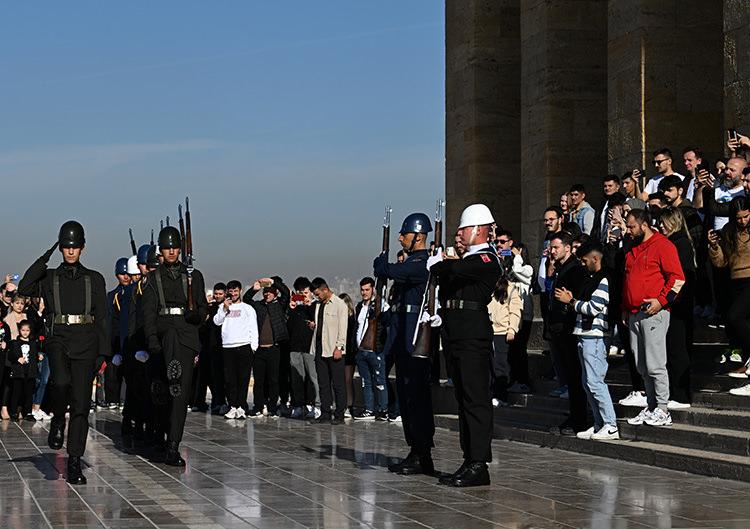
[(371, 368), (304, 379), (593, 353), (41, 380)]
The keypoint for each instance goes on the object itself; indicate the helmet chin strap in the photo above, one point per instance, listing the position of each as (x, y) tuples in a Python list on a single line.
[(474, 232), (413, 242)]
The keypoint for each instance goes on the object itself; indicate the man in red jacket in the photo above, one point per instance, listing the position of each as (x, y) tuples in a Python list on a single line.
[(653, 279)]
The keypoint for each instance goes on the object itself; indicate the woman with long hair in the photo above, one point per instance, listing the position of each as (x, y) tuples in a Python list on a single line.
[(731, 249), (521, 276), (680, 331), (350, 359)]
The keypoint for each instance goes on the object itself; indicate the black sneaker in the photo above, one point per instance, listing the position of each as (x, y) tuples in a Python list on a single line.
[(364, 415), (381, 416)]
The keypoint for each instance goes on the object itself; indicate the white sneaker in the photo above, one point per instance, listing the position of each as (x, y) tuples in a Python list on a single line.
[(36, 414), (608, 432), (497, 403), (231, 414), (240, 413), (613, 350), (641, 417), (45, 416), (743, 391), (296, 413), (674, 405), (347, 413), (659, 417), (636, 399), (736, 357), (314, 413), (586, 434)]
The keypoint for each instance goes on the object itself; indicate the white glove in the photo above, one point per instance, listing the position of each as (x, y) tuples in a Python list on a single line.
[(433, 259), (141, 356), (117, 360), (434, 321)]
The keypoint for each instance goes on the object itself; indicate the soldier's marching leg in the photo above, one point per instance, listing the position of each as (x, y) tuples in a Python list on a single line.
[(58, 390)]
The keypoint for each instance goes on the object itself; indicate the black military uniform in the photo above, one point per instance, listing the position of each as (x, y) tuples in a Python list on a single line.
[(118, 301), (413, 375), (75, 303), (465, 288), (171, 330)]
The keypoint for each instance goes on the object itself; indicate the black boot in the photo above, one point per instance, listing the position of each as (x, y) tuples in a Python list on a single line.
[(173, 457), (422, 465), (448, 480), (409, 460), (474, 475), (126, 428), (75, 474), (56, 431)]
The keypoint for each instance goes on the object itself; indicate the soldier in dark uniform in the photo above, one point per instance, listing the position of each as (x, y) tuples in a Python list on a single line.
[(412, 374), (171, 327), (118, 303), (465, 287), (77, 341)]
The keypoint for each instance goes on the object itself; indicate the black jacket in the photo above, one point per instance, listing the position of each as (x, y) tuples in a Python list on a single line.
[(561, 318), (77, 341), (276, 310), (300, 335), (29, 370)]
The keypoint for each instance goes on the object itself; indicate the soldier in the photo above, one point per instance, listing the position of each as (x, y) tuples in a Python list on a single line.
[(465, 288), (77, 340), (171, 329), (412, 374), (118, 304)]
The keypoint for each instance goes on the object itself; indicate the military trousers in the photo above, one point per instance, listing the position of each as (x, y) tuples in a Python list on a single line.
[(413, 386), (173, 349)]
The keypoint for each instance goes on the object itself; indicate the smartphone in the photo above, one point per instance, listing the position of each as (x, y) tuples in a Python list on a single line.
[(298, 299), (703, 166), (506, 253), (733, 134), (450, 251), (15, 277)]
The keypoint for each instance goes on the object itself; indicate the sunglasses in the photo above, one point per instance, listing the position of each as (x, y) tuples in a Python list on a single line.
[(503, 241)]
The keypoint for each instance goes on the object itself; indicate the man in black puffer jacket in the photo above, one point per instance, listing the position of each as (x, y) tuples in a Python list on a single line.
[(272, 316)]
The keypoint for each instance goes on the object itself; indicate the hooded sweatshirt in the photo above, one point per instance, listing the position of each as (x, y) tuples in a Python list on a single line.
[(652, 270)]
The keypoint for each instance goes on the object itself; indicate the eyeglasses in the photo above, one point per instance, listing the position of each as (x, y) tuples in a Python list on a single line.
[(659, 162), (503, 241)]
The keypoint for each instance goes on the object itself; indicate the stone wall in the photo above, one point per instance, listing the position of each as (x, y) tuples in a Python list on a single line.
[(737, 64)]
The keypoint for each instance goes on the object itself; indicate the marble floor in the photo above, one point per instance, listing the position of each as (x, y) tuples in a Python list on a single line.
[(285, 474)]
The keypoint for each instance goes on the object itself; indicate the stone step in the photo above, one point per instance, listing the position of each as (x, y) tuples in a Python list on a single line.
[(738, 420), (718, 440), (704, 462), (721, 400)]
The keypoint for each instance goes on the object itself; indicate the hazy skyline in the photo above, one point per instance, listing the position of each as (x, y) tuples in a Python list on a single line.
[(290, 125)]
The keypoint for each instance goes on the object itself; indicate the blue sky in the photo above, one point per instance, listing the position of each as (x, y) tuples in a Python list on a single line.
[(290, 124)]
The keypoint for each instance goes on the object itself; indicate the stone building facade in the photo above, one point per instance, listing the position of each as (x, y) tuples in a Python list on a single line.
[(541, 94)]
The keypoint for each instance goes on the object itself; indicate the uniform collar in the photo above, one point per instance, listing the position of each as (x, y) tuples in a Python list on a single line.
[(476, 248)]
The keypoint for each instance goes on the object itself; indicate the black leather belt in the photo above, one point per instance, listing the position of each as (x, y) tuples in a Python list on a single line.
[(172, 311), (462, 304), (405, 308), (73, 319)]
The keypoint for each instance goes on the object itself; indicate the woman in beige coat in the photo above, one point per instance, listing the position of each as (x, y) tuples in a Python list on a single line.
[(505, 311)]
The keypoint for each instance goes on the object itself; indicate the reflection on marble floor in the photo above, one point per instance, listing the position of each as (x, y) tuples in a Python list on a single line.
[(280, 473)]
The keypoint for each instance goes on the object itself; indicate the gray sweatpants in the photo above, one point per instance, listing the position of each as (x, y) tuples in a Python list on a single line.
[(304, 379), (648, 340)]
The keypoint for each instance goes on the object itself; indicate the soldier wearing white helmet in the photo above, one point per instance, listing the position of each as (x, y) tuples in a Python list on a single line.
[(133, 271), (465, 289)]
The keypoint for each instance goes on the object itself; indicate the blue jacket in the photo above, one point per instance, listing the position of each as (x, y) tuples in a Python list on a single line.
[(409, 284)]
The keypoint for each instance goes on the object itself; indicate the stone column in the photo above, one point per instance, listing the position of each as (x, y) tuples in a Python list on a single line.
[(563, 104), (482, 92), (664, 80), (737, 65)]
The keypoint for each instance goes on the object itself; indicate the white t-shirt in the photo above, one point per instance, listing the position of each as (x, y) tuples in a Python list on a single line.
[(722, 195), (362, 322), (238, 327), (652, 186)]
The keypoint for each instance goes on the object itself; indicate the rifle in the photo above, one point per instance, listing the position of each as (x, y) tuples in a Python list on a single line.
[(423, 336), (152, 237), (182, 231), (370, 339), (161, 224), (167, 220), (189, 253), (132, 242)]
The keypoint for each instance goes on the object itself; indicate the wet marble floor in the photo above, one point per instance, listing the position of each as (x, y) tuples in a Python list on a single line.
[(285, 474)]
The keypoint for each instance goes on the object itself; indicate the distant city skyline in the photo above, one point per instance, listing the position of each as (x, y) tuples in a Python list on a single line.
[(289, 125)]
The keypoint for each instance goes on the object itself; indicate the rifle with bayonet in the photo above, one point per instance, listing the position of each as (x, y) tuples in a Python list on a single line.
[(182, 231), (188, 242), (152, 237), (423, 336), (133, 249), (370, 339)]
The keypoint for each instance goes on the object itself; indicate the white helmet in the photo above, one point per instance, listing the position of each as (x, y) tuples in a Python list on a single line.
[(476, 215), (133, 269)]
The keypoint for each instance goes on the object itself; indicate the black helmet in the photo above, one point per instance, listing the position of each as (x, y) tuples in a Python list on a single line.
[(71, 235), (152, 260), (143, 253), (416, 223), (121, 266), (169, 237)]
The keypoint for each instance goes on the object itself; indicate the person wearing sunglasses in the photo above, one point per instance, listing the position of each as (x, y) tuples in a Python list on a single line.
[(663, 165)]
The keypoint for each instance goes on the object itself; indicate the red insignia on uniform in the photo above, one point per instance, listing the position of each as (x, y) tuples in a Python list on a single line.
[(485, 258)]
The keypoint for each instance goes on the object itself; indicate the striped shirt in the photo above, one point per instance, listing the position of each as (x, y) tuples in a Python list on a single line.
[(592, 314)]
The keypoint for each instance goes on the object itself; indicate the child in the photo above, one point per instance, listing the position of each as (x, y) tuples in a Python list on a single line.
[(505, 311), (23, 356)]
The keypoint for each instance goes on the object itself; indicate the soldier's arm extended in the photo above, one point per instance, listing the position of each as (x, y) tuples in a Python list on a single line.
[(101, 310), (36, 273), (473, 267), (408, 271)]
